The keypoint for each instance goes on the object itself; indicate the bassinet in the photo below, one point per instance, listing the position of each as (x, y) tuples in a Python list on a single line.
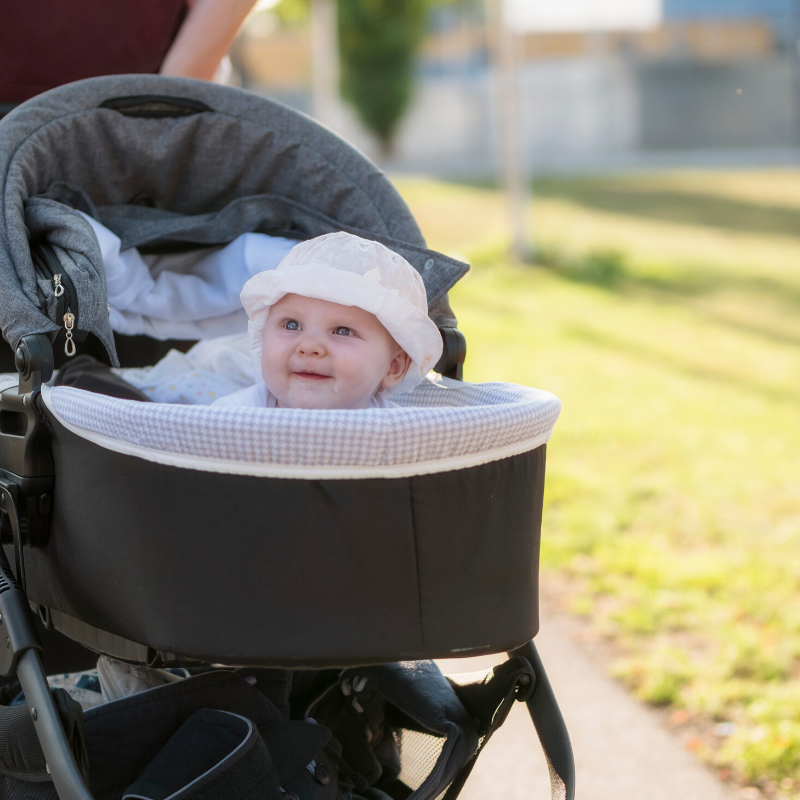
[(161, 534)]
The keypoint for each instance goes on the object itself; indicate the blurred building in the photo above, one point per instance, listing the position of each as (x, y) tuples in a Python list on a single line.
[(714, 76), (780, 15), (275, 60)]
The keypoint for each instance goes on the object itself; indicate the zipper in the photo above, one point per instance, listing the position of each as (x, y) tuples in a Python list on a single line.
[(48, 265), (69, 324)]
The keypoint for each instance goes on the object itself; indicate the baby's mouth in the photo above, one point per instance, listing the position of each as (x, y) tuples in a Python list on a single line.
[(311, 376)]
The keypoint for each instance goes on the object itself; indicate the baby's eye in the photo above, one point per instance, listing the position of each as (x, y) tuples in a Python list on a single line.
[(291, 325), (343, 331)]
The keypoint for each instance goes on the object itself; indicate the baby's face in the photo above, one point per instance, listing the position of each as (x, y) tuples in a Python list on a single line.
[(319, 354)]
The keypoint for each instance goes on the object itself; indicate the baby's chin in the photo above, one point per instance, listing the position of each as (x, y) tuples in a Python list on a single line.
[(320, 400), (330, 405)]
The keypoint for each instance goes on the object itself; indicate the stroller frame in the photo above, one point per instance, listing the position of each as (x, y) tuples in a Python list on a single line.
[(22, 655), (346, 192)]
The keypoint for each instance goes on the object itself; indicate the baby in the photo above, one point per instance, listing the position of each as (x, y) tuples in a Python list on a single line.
[(342, 322)]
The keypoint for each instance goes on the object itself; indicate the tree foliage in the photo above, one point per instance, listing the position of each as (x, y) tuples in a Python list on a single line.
[(378, 41), (291, 13)]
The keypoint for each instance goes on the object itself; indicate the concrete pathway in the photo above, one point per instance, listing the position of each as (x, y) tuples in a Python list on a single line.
[(622, 749)]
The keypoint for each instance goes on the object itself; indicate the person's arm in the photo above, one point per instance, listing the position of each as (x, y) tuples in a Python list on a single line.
[(205, 38)]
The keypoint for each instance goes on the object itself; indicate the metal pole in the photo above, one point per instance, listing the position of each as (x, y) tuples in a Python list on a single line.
[(324, 63), (60, 761), (550, 727), (507, 46)]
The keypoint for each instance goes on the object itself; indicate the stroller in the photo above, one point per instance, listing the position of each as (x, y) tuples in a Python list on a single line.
[(171, 535)]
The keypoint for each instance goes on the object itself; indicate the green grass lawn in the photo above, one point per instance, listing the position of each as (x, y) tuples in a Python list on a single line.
[(665, 313)]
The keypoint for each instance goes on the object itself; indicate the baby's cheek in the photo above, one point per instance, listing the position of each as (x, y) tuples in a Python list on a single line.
[(268, 359)]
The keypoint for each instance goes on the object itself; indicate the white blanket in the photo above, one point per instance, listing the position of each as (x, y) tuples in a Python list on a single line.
[(187, 295), (212, 369)]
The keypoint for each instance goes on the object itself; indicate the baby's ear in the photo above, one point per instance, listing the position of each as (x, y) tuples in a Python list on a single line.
[(397, 369)]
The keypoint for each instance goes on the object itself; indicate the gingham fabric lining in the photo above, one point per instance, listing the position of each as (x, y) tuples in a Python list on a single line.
[(438, 428)]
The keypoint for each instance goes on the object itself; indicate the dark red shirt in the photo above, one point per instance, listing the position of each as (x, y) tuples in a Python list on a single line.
[(46, 43)]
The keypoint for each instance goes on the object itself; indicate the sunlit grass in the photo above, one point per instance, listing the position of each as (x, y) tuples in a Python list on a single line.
[(673, 486)]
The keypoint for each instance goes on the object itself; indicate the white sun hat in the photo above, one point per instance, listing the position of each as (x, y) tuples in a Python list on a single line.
[(346, 269)]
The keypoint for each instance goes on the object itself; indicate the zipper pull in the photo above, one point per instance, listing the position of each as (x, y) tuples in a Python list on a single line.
[(58, 289), (69, 322)]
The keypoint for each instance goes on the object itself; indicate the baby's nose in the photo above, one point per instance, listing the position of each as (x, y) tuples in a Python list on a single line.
[(311, 346)]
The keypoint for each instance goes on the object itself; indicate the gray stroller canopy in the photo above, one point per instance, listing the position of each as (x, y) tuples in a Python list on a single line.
[(170, 164)]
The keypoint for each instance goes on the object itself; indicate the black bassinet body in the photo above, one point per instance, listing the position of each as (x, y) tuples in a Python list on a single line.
[(152, 550), (265, 538)]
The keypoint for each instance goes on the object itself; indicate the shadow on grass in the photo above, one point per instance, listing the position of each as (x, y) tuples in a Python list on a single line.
[(779, 337), (640, 351), (699, 282), (670, 205), (609, 270)]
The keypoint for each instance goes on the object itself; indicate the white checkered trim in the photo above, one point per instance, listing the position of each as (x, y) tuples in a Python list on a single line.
[(437, 429)]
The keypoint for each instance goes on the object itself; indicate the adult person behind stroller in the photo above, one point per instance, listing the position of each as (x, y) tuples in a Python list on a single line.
[(45, 44), (163, 534)]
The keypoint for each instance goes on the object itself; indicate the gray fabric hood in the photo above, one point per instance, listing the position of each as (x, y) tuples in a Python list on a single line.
[(171, 164)]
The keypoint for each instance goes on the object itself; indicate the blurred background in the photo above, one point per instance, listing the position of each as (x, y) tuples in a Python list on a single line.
[(620, 174), (625, 83)]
